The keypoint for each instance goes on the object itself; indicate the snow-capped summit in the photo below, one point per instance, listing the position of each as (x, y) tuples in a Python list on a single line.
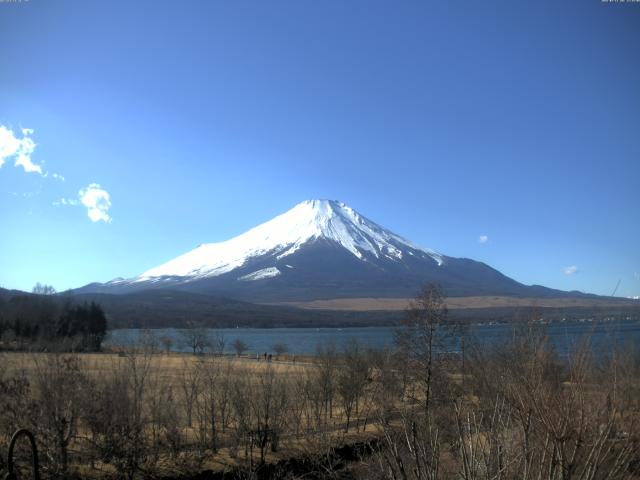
[(308, 221), (320, 249)]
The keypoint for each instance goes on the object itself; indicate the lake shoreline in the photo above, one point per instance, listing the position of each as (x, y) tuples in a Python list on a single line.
[(305, 341)]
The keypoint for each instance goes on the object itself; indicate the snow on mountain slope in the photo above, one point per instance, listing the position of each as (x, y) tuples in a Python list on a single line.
[(261, 274), (284, 235)]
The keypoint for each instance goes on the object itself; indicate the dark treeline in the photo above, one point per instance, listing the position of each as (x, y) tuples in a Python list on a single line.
[(44, 321), (165, 309)]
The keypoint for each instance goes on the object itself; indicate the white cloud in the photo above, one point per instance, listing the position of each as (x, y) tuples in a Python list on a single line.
[(483, 239), (25, 194), (97, 201), (66, 201), (636, 275), (20, 149), (570, 270)]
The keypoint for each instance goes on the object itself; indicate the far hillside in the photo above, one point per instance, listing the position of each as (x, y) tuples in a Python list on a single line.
[(166, 308)]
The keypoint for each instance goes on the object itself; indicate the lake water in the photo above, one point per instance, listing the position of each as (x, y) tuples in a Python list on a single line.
[(603, 336)]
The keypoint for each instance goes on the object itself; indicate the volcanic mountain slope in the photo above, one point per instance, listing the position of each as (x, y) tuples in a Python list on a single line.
[(320, 249)]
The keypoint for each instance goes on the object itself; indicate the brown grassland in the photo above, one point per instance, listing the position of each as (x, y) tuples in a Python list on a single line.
[(455, 303)]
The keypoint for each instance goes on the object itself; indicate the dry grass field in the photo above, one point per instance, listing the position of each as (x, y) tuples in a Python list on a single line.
[(170, 366), (455, 303)]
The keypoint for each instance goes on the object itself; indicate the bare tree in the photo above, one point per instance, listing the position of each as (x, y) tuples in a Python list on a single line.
[(116, 414), (315, 400), (217, 343), (223, 390), (167, 343), (59, 382), (239, 395), (353, 376), (190, 385), (388, 386), (207, 405), (17, 408), (239, 346), (196, 338), (280, 349), (413, 448), (163, 426), (327, 361), (425, 333), (148, 341), (269, 399), (41, 289)]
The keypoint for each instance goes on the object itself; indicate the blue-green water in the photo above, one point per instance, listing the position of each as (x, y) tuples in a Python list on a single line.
[(603, 336)]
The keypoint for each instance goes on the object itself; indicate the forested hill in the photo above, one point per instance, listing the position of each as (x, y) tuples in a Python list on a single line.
[(163, 308)]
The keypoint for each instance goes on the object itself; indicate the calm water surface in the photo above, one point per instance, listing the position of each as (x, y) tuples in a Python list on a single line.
[(564, 336)]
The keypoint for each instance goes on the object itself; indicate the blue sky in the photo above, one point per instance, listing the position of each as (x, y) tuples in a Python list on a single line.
[(443, 121)]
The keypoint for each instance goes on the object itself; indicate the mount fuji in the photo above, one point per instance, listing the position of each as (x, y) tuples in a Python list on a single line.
[(320, 249)]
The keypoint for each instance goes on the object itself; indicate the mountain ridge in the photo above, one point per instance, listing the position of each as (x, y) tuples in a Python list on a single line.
[(320, 249)]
